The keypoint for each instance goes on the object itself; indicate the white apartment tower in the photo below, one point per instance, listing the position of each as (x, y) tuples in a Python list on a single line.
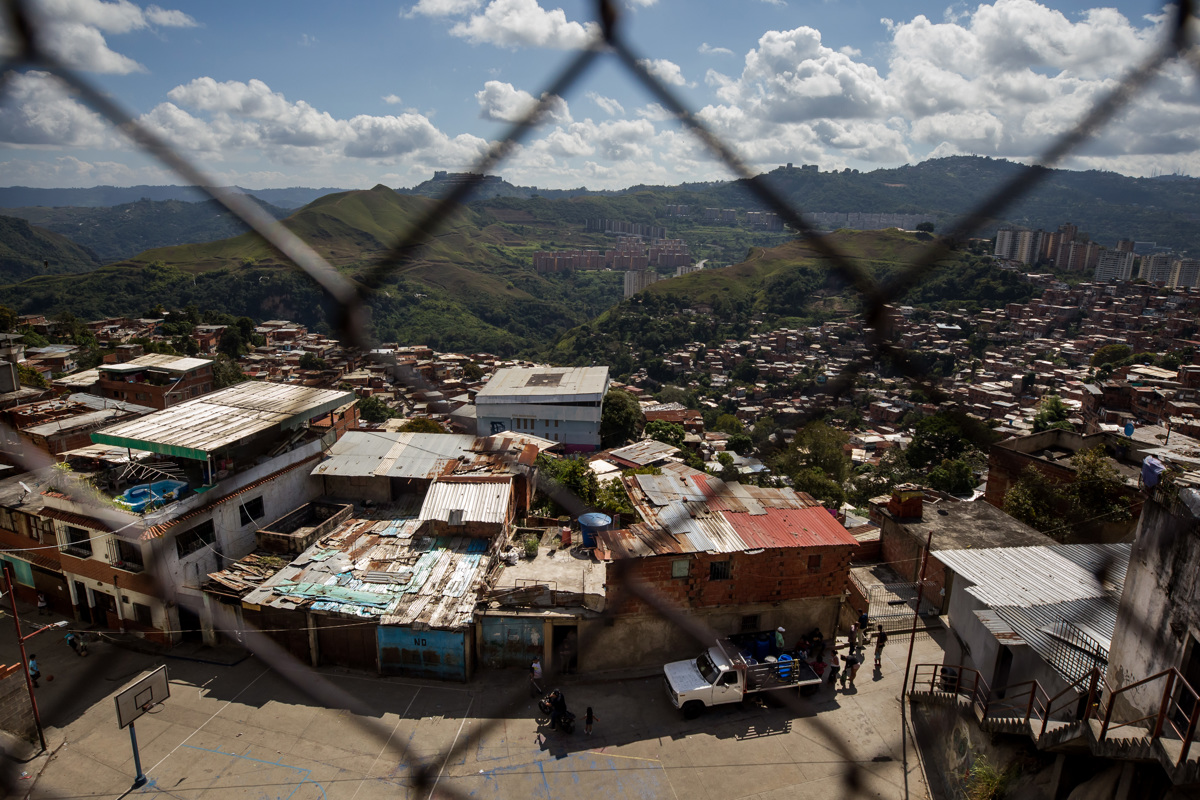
[(1114, 265)]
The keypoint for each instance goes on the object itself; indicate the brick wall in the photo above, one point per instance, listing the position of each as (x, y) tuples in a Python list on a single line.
[(903, 553), (770, 576), (16, 712)]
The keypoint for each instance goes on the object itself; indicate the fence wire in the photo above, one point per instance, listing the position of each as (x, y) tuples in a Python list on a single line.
[(351, 300)]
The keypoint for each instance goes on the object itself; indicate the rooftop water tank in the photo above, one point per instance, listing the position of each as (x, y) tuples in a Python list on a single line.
[(591, 524)]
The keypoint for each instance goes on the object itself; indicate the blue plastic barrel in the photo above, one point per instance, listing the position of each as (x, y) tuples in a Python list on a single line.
[(785, 670), (591, 524)]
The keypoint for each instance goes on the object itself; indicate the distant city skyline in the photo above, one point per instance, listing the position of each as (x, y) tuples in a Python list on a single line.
[(269, 96)]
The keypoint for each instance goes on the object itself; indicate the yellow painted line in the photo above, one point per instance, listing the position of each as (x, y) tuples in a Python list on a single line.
[(615, 755)]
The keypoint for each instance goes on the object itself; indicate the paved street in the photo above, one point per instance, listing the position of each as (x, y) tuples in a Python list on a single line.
[(241, 732)]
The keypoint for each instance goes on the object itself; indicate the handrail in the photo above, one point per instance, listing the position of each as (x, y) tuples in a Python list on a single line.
[(1093, 680)]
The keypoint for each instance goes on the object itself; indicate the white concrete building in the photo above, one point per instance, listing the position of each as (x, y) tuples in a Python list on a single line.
[(562, 404)]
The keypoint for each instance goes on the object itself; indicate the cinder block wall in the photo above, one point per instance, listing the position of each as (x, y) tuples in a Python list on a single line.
[(16, 712)]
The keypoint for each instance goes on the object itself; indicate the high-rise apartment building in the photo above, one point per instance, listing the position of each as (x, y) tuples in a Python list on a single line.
[(1185, 273), (1114, 265)]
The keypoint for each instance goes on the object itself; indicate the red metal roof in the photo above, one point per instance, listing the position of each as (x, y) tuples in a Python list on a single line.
[(786, 527)]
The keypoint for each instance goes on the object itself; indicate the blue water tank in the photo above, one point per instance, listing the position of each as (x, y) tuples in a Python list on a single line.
[(591, 524), (1129, 429)]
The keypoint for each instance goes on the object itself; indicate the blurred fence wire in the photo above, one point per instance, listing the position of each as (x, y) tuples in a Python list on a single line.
[(28, 53)]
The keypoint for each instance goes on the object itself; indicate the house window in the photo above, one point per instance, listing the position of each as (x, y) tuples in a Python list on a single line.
[(749, 623), (252, 511), (814, 563), (679, 568), (556, 423), (79, 542), (720, 570), (195, 539)]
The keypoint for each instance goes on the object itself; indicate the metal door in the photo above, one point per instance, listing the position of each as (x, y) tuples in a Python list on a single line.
[(422, 654), (511, 641)]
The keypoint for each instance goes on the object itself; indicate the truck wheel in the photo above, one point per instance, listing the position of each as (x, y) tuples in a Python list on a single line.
[(692, 709)]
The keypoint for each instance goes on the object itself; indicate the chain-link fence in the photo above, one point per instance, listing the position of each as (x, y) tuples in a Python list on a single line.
[(351, 301)]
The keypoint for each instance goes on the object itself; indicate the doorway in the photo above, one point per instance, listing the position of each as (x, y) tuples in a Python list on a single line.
[(82, 608), (1004, 660), (566, 648), (189, 624)]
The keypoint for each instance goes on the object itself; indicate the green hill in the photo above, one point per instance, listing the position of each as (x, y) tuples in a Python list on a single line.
[(119, 232), (786, 286), (471, 289), (27, 251)]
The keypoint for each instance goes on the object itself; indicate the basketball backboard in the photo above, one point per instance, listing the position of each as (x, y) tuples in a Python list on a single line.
[(140, 696)]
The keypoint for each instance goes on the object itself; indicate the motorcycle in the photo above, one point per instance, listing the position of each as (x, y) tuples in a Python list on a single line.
[(566, 720)]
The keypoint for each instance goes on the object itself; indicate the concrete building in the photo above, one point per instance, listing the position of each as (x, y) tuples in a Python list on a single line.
[(737, 558), (52, 427), (914, 519), (1114, 265), (562, 404), (155, 380), (1033, 613), (223, 464), (1156, 267), (1185, 273), (638, 279)]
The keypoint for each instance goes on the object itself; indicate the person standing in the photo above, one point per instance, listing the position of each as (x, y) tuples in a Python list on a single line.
[(779, 640), (72, 641), (860, 639), (43, 605), (35, 672), (881, 638), (852, 665), (588, 719), (834, 665)]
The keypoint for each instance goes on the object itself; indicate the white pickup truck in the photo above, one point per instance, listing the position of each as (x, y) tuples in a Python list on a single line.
[(721, 674)]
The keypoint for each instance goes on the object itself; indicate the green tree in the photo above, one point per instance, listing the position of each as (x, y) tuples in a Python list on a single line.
[(226, 372), (28, 376), (728, 473), (740, 443), (1033, 500), (620, 419), (231, 343), (312, 361), (925, 227), (667, 432), (372, 409), (421, 426), (611, 498), (936, 439), (8, 319), (1110, 353), (953, 477), (746, 371), (1051, 414), (728, 423), (814, 481), (472, 371), (1095, 492), (821, 446), (570, 474)]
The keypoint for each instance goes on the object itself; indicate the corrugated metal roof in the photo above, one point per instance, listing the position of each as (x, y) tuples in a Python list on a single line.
[(479, 501), (428, 455), (1029, 576), (196, 428), (544, 385), (778, 527), (663, 489), (1095, 616), (644, 452), (998, 627), (156, 361)]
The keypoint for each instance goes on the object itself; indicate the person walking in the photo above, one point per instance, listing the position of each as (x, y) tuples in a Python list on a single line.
[(881, 638), (72, 641), (535, 678), (834, 665), (35, 671), (588, 718)]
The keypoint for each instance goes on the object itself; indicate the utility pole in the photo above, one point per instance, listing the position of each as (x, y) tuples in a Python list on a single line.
[(912, 638), (12, 599)]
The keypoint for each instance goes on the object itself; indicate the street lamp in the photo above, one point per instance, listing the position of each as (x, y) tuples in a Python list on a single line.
[(12, 598)]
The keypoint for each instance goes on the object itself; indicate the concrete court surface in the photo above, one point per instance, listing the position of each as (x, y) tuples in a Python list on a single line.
[(243, 732)]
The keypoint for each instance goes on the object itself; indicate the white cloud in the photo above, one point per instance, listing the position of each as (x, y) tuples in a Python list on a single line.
[(392, 99), (308, 41), (443, 8), (75, 31), (852, 52), (655, 113), (643, 2), (505, 103), (666, 71), (36, 111), (707, 49), (610, 106), (775, 2), (524, 23)]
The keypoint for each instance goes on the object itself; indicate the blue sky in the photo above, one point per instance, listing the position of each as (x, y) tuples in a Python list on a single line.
[(270, 94)]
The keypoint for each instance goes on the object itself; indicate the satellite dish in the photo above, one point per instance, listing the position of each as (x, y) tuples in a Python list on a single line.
[(28, 491)]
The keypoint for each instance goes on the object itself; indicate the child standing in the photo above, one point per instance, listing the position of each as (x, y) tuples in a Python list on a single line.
[(588, 719), (834, 664)]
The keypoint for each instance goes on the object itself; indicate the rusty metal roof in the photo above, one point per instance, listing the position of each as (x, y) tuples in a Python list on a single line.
[(428, 455), (647, 451), (804, 527)]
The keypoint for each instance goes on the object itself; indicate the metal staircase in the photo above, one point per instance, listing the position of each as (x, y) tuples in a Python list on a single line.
[(1087, 716)]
